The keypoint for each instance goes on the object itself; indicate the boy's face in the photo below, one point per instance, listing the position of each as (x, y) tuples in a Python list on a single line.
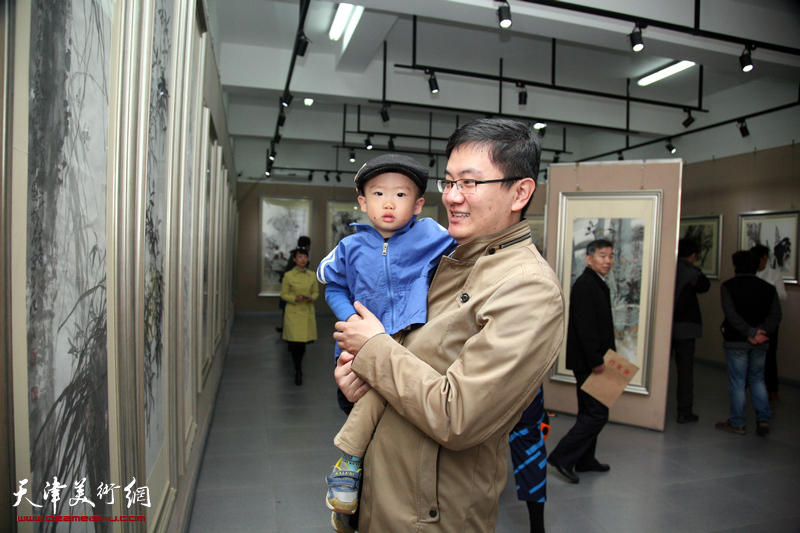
[(390, 201)]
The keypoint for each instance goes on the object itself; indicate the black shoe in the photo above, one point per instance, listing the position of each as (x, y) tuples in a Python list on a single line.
[(762, 428), (298, 377), (279, 330), (566, 472), (599, 467), (685, 418)]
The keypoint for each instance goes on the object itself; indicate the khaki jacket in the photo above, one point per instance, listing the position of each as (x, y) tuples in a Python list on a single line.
[(457, 386), (299, 318)]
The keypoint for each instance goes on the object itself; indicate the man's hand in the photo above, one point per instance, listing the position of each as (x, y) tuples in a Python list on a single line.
[(599, 369), (352, 386), (760, 338), (352, 334)]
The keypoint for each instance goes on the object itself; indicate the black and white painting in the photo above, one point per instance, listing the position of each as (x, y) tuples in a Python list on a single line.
[(340, 217), (706, 231), (66, 253), (630, 221), (283, 221), (155, 238), (778, 232)]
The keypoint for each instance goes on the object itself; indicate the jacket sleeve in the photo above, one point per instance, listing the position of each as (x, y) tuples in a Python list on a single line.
[(495, 375), (333, 272), (735, 319), (287, 293), (584, 303), (701, 283)]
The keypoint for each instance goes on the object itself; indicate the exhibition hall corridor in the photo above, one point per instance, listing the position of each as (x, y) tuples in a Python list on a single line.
[(270, 447)]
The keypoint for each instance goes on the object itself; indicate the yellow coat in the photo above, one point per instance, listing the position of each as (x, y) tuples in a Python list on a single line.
[(299, 319)]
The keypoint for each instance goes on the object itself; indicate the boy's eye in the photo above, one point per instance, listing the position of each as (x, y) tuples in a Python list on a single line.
[(401, 194)]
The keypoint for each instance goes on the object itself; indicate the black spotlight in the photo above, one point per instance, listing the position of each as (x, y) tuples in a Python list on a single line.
[(523, 95), (637, 43), (277, 138), (432, 162), (385, 114), (272, 155), (368, 143), (327, 178), (620, 157), (433, 84), (671, 147), (352, 156), (745, 60), (286, 99), (504, 15), (338, 176), (743, 128), (310, 176), (391, 144), (281, 119), (302, 44), (557, 157), (689, 119)]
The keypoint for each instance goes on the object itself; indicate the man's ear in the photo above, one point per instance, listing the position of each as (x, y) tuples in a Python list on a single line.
[(362, 202), (418, 205), (524, 192)]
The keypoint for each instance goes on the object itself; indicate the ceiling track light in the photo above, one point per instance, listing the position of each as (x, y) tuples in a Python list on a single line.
[(277, 138), (742, 125), (281, 119), (432, 162), (368, 143), (637, 43), (339, 176), (391, 144), (620, 157), (272, 155), (302, 44), (432, 83), (352, 156), (689, 119), (327, 178), (504, 15), (310, 176), (671, 147), (286, 99), (523, 94), (385, 113), (745, 60), (557, 157)]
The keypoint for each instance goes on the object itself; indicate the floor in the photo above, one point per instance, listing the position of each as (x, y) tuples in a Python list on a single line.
[(270, 447)]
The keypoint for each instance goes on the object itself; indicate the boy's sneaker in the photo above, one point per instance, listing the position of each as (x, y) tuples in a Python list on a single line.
[(762, 428), (730, 428), (341, 523), (343, 485)]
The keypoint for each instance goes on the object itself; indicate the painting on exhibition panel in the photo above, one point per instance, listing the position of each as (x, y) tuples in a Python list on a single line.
[(625, 278), (66, 296)]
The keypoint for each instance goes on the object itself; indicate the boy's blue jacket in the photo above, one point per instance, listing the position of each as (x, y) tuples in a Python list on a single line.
[(390, 278)]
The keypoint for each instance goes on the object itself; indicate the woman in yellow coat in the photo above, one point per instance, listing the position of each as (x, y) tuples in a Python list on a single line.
[(299, 289)]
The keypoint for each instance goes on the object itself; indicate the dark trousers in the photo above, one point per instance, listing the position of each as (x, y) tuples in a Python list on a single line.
[(683, 349), (297, 349), (771, 364), (577, 448)]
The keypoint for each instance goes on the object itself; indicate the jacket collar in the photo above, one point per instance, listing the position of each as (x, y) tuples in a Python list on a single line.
[(370, 228), (517, 235)]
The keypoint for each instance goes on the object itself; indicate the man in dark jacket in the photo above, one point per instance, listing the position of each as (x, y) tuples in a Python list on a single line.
[(687, 324), (590, 334), (752, 312)]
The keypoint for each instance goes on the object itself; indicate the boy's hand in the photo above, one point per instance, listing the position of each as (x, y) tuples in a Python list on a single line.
[(352, 334), (351, 385)]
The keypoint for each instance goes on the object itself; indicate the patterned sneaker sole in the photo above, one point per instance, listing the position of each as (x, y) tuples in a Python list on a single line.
[(340, 527), (338, 506)]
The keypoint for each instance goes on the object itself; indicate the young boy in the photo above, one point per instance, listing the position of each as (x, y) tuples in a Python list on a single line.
[(385, 266)]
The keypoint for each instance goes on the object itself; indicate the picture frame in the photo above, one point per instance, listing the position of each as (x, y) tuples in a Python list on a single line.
[(706, 231), (632, 221), (777, 230), (283, 220), (538, 230)]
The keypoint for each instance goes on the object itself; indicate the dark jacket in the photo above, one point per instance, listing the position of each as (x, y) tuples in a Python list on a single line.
[(687, 322), (590, 332), (750, 304)]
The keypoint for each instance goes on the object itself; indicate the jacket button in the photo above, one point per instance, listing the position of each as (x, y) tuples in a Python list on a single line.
[(433, 513), (491, 251), (464, 298)]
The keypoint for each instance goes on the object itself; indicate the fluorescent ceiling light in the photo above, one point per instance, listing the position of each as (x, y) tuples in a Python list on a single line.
[(340, 21), (539, 125), (308, 101), (663, 73), (352, 24)]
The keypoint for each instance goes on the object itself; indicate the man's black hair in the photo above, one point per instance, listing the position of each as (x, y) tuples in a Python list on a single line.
[(598, 244), (304, 242), (687, 247), (514, 147), (760, 251), (744, 262)]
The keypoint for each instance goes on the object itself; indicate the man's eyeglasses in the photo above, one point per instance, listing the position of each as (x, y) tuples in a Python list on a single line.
[(466, 186)]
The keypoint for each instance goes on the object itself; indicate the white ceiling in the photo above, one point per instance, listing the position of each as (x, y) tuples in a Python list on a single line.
[(253, 41)]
